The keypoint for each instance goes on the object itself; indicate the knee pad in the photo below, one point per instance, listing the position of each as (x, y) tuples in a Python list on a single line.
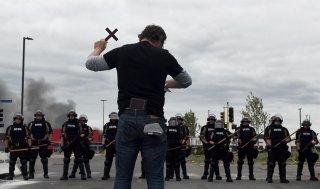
[(23, 162), (282, 164), (79, 160), (250, 162), (44, 160), (240, 162), (107, 163), (271, 164), (32, 161), (300, 163), (66, 160), (12, 162)]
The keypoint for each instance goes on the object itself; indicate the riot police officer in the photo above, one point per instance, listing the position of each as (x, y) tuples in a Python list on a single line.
[(277, 138), (184, 150), (108, 141), (306, 139), (174, 139), (220, 139), (205, 134), (246, 147), (86, 152), (40, 132), (71, 134), (18, 143)]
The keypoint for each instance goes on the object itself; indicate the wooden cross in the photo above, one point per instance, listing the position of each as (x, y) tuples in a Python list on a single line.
[(111, 34)]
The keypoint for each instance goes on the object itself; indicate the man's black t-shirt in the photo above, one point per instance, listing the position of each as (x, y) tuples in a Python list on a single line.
[(142, 70)]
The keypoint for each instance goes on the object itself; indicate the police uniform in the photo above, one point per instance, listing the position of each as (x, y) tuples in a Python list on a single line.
[(185, 151), (109, 133), (18, 137), (205, 134), (306, 139), (220, 151), (245, 136), (40, 130), (277, 137), (70, 133), (84, 149), (174, 138)]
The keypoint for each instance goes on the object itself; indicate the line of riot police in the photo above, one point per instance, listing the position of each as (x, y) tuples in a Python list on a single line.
[(26, 142)]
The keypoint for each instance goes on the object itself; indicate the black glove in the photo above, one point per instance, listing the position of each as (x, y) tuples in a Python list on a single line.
[(104, 146), (269, 147), (6, 150)]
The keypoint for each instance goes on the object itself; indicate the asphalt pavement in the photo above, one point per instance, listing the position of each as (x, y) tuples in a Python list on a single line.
[(194, 169)]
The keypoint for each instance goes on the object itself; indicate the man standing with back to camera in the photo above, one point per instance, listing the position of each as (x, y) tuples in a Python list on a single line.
[(142, 70)]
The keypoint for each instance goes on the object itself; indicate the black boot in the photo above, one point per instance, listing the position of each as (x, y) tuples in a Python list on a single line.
[(251, 176), (32, 163), (12, 164), (206, 170), (228, 173), (44, 162), (212, 171), (282, 172), (88, 169), (177, 172), (239, 168), (312, 173), (66, 162), (24, 170), (217, 172), (299, 171), (184, 169), (74, 170), (106, 173), (82, 170), (270, 171)]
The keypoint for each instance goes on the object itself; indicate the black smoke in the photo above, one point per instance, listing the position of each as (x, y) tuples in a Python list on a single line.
[(39, 95)]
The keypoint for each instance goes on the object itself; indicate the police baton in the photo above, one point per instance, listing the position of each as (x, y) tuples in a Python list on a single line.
[(176, 147), (110, 143), (310, 143), (246, 144), (224, 139), (286, 138), (24, 149)]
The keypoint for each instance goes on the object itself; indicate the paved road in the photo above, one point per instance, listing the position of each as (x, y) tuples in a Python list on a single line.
[(195, 171)]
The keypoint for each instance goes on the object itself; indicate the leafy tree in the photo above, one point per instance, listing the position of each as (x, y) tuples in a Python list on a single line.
[(254, 111), (190, 121)]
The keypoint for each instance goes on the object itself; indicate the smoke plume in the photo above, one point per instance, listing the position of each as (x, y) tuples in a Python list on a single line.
[(38, 96)]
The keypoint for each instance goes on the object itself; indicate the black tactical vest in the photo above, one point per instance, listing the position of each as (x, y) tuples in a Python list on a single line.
[(219, 134), (246, 134), (71, 129), (18, 135), (110, 131), (174, 135), (277, 134), (305, 136), (38, 129), (208, 131), (86, 129)]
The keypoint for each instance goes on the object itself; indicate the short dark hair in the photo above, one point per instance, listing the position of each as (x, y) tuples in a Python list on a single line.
[(153, 32)]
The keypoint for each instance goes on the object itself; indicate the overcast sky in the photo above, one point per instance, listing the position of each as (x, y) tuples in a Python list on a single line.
[(229, 47)]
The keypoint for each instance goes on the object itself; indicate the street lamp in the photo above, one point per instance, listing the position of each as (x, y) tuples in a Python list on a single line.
[(103, 111), (300, 116), (23, 55)]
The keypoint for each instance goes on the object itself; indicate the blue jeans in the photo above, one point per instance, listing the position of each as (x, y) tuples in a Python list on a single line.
[(130, 139)]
